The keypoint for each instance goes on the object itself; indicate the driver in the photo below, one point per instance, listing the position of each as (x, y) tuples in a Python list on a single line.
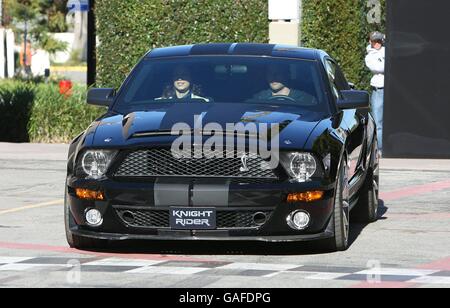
[(277, 78), (182, 87)]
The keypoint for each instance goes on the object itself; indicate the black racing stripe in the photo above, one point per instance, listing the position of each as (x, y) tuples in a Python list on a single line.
[(211, 192), (191, 193), (171, 192), (210, 49), (254, 49), (174, 51)]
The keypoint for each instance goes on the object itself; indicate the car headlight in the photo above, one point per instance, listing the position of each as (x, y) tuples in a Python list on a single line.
[(95, 163), (300, 166)]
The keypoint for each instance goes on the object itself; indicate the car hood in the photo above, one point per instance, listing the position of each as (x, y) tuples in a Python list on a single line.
[(155, 124)]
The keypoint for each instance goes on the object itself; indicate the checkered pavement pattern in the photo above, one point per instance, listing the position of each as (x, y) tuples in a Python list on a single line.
[(217, 268)]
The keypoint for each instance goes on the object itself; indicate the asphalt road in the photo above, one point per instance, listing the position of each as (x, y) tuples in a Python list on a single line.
[(409, 246)]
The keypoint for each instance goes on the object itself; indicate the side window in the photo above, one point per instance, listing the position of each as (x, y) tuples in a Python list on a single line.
[(331, 72), (341, 82)]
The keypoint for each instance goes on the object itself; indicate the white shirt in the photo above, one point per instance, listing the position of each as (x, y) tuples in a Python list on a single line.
[(375, 60)]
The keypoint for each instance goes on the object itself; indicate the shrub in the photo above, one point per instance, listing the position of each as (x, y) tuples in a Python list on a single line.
[(55, 118), (128, 29), (38, 113), (15, 105)]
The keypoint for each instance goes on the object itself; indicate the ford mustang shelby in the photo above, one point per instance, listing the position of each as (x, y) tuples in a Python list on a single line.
[(225, 142)]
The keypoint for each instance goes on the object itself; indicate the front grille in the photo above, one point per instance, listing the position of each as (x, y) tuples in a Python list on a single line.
[(144, 218), (238, 219), (226, 219), (161, 162)]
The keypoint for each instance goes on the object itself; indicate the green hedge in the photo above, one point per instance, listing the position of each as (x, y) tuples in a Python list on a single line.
[(341, 28), (38, 113), (15, 107), (127, 29)]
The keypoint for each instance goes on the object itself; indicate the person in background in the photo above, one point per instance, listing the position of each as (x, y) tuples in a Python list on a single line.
[(375, 61)]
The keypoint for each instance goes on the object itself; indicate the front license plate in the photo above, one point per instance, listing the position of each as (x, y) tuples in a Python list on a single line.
[(191, 218)]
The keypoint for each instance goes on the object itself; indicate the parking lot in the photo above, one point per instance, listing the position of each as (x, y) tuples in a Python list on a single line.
[(409, 246)]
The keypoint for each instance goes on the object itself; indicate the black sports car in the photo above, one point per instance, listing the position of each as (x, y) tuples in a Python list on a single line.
[(225, 142)]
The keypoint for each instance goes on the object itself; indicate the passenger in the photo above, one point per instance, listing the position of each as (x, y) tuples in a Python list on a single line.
[(182, 87), (278, 82)]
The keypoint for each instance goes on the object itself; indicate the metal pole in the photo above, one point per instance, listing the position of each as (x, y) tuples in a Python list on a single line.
[(91, 44)]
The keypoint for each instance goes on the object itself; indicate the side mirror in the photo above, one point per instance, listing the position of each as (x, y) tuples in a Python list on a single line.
[(100, 97), (352, 99)]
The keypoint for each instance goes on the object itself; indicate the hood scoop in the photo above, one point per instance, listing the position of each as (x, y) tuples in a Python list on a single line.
[(157, 133), (192, 133), (237, 134)]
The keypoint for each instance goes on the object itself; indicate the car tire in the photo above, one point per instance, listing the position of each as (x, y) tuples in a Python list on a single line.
[(341, 215), (76, 241), (366, 211)]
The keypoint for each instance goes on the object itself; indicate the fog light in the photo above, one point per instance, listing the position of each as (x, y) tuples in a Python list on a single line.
[(308, 196), (88, 194), (298, 220), (94, 218)]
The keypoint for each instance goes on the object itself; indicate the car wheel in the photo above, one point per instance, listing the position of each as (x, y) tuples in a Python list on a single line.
[(76, 241), (341, 214), (366, 211)]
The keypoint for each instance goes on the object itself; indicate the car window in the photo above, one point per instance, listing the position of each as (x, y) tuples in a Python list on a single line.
[(332, 77), (224, 79), (341, 81)]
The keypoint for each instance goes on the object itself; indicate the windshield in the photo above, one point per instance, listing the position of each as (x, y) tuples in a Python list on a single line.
[(223, 79)]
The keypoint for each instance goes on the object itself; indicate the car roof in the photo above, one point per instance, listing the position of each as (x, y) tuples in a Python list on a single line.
[(237, 49)]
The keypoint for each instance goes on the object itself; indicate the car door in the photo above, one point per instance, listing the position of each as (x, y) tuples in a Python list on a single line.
[(355, 126)]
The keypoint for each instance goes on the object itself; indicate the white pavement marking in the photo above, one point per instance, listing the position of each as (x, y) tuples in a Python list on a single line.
[(15, 267), (155, 267), (271, 275), (123, 262), (34, 206), (7, 260), (259, 266), (168, 270), (397, 272), (24, 266), (431, 280)]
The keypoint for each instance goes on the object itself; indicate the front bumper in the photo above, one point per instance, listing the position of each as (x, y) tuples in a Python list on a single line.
[(236, 196), (178, 236)]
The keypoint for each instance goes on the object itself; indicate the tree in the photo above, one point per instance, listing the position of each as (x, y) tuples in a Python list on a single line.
[(37, 18)]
